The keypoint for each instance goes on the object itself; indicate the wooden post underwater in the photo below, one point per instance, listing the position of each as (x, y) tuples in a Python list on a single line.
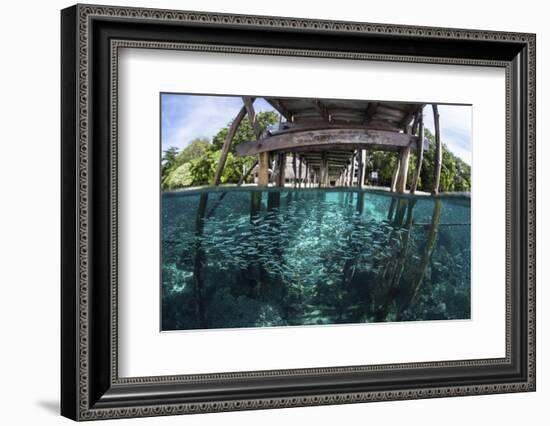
[(200, 259), (438, 152), (227, 145), (428, 248), (419, 152), (360, 201)]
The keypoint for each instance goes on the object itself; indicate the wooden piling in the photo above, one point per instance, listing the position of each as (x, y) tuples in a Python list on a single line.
[(227, 145), (419, 152), (438, 152), (361, 168), (300, 171), (395, 175), (294, 169), (424, 262), (401, 181)]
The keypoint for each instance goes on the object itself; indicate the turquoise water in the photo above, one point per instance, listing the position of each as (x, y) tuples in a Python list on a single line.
[(243, 258)]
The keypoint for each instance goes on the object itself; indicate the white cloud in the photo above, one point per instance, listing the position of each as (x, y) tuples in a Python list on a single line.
[(186, 117)]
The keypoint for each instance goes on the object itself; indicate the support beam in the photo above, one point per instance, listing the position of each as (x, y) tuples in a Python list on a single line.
[(263, 158), (323, 181), (227, 145), (263, 169), (252, 116), (362, 155), (322, 110), (295, 179), (275, 103), (438, 152), (401, 182), (352, 169), (281, 167), (300, 158), (419, 153), (395, 175), (330, 140)]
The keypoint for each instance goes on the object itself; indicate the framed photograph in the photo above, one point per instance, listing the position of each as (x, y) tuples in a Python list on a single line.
[(263, 212)]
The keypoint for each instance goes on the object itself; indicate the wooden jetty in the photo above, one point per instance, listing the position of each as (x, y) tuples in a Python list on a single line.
[(329, 140)]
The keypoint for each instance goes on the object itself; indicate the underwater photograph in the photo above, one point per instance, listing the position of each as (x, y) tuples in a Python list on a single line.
[(279, 212)]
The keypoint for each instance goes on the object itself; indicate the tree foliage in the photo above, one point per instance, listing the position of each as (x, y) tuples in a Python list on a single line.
[(196, 164), (201, 157), (455, 173)]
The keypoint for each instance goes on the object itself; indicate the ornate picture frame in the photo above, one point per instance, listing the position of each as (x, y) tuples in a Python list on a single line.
[(90, 39)]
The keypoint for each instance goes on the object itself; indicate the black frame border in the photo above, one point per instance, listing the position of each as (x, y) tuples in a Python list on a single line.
[(90, 387)]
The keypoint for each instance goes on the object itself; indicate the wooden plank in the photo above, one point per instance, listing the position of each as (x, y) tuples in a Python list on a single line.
[(329, 138), (227, 145), (438, 152)]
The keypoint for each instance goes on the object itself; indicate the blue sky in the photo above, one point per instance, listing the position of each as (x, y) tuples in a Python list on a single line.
[(186, 117)]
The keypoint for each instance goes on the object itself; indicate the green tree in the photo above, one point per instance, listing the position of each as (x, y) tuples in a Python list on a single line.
[(169, 158), (245, 132), (196, 149), (173, 174), (382, 162), (178, 178), (455, 173), (204, 168)]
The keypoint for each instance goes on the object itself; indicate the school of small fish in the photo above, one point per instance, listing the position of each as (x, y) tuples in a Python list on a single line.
[(305, 241)]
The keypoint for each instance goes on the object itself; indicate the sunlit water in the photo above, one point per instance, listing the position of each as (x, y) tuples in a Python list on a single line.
[(243, 258)]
